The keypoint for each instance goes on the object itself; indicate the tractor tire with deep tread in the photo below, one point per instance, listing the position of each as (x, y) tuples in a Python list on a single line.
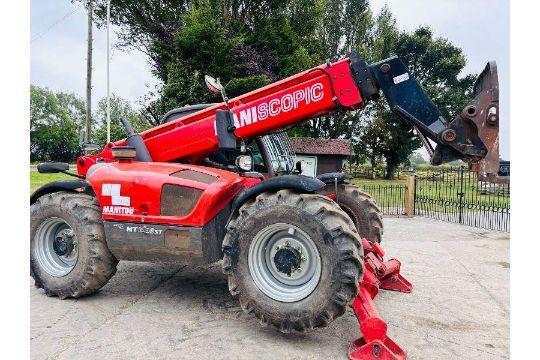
[(94, 264), (337, 243), (362, 209)]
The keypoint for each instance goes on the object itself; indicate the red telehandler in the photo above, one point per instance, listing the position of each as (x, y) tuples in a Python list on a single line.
[(217, 182)]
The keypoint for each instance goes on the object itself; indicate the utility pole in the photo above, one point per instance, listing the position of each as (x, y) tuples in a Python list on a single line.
[(89, 74), (108, 78)]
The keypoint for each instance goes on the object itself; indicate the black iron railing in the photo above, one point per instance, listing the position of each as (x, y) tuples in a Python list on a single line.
[(449, 194), (391, 199), (458, 195)]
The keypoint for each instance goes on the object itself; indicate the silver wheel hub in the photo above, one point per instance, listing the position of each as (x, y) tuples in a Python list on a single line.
[(55, 247), (284, 262)]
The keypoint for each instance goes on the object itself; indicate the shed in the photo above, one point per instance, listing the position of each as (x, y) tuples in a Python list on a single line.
[(321, 155)]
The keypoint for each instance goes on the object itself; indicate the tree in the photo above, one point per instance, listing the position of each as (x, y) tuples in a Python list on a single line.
[(74, 106), (247, 44), (417, 159), (345, 27), (119, 108), (371, 136), (53, 133), (370, 141)]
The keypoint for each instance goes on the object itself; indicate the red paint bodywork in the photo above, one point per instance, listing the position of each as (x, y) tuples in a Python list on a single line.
[(143, 182), (193, 137)]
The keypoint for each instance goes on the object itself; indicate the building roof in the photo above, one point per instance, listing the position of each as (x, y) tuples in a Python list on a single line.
[(312, 146)]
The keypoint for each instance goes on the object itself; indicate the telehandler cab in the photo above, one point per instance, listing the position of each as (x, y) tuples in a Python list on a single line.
[(218, 182)]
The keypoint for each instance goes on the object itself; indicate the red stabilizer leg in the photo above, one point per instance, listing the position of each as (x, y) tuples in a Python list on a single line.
[(393, 280), (378, 274), (374, 344), (376, 349)]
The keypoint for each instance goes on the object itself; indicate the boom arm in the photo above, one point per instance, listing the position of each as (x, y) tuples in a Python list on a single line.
[(348, 83)]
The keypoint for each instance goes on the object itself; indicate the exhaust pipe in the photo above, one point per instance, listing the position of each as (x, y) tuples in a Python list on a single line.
[(135, 140)]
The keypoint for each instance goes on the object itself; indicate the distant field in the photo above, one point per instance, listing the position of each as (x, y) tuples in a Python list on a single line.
[(362, 181)]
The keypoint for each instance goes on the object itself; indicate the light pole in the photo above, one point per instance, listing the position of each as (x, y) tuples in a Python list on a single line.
[(89, 74), (108, 84)]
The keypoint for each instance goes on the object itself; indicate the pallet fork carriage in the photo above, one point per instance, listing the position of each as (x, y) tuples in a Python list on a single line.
[(218, 182)]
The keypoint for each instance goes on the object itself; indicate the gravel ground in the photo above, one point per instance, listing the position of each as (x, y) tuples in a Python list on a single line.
[(459, 308)]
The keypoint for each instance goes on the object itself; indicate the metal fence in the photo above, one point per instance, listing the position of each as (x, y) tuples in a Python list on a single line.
[(458, 195), (448, 194), (391, 199)]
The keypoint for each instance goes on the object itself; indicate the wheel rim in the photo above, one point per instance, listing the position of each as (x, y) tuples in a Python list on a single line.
[(284, 262), (55, 247)]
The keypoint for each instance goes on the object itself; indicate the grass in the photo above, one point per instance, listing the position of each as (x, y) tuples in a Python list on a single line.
[(37, 179)]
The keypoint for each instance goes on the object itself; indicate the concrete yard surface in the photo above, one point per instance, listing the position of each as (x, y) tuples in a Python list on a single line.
[(459, 308)]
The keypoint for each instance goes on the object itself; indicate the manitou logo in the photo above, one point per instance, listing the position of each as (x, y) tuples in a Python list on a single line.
[(276, 106), (122, 202), (118, 210)]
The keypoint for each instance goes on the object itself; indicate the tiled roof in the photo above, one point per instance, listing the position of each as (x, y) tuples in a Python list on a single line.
[(312, 146)]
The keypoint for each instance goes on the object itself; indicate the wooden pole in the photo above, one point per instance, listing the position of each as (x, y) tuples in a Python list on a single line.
[(89, 74), (409, 198)]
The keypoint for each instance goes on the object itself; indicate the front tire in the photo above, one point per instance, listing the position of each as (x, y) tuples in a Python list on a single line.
[(69, 256), (294, 260)]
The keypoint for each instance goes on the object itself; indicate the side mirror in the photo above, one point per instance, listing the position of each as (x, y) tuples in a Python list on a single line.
[(213, 84)]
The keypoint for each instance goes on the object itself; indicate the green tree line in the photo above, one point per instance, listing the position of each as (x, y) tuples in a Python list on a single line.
[(248, 44), (57, 118)]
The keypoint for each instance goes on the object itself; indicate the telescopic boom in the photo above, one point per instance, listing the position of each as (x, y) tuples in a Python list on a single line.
[(349, 83)]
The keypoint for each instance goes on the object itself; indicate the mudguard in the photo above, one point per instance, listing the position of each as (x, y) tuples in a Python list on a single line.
[(61, 185), (331, 177), (295, 182)]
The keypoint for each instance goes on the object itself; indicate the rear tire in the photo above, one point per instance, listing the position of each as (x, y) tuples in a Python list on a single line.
[(318, 229), (361, 208), (69, 256)]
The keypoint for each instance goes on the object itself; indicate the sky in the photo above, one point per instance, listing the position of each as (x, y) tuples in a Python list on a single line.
[(58, 30)]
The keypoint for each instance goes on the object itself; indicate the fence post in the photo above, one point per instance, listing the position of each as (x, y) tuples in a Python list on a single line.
[(409, 196)]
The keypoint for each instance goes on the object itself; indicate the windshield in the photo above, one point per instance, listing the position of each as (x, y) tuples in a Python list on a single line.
[(280, 152)]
